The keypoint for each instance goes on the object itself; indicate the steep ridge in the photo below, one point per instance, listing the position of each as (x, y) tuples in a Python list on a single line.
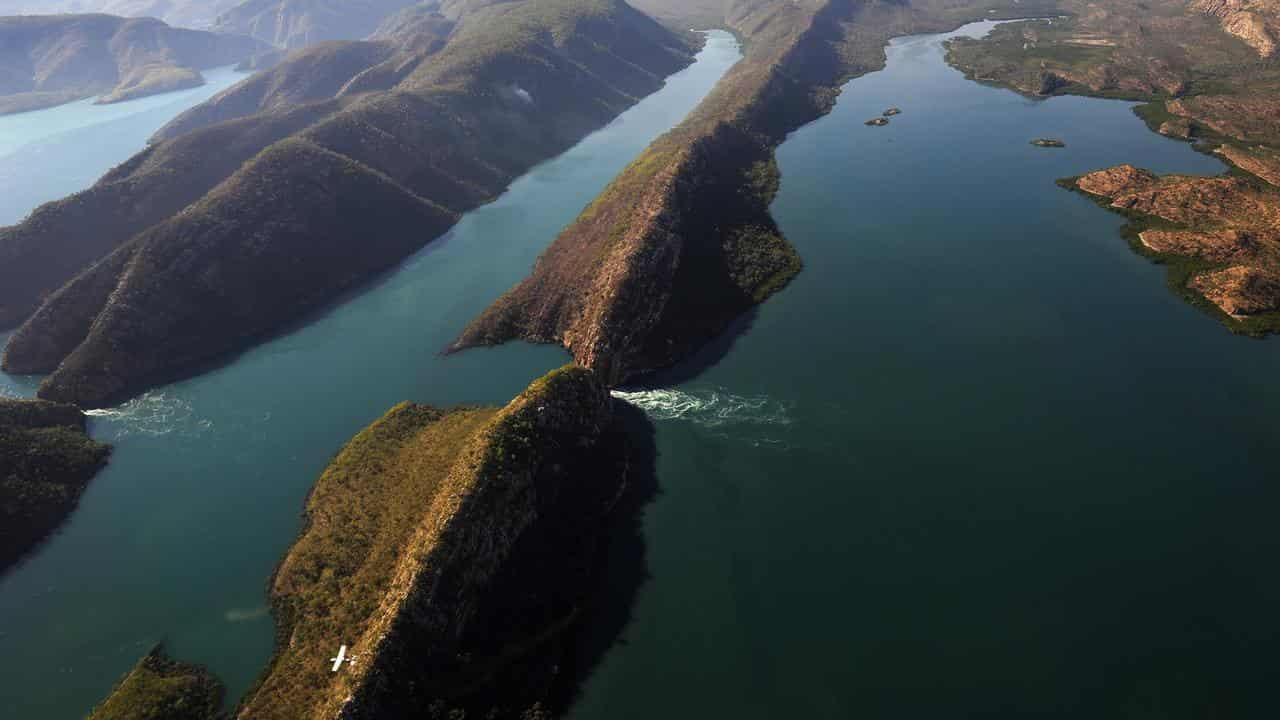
[(682, 242), (515, 83), (46, 460), (450, 550), (46, 61)]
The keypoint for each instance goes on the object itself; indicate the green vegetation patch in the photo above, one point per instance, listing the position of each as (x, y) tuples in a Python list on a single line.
[(159, 688)]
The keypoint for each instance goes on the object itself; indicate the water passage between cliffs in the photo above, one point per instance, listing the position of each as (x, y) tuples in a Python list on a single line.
[(976, 460), (175, 540)]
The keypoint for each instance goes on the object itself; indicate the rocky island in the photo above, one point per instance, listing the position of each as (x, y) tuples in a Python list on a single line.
[(295, 188), (1048, 143), (46, 460), (877, 122), (1205, 71), (50, 60)]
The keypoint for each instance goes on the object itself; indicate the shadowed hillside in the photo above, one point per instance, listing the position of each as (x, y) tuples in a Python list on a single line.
[(47, 61), (46, 460), (355, 181)]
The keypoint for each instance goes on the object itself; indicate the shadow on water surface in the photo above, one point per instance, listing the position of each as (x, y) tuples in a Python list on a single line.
[(706, 357), (622, 565)]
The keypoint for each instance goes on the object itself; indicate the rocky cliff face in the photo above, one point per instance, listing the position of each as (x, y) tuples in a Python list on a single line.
[(1255, 22), (415, 135), (46, 460), (48, 60), (451, 551), (1230, 225)]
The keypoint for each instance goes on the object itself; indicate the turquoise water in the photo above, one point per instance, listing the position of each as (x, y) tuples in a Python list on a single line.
[(175, 540), (47, 154), (976, 461)]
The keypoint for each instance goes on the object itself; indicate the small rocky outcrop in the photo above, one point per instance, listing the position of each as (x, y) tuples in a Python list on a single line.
[(1048, 143), (47, 60), (877, 121), (892, 111), (46, 461), (1179, 128)]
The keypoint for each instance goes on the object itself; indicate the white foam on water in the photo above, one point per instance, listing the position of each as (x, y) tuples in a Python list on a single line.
[(154, 413), (710, 408)]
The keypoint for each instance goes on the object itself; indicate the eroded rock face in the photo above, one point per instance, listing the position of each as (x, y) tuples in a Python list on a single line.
[(1251, 118), (1255, 22), (1116, 180), (1223, 221), (1240, 290), (1259, 160)]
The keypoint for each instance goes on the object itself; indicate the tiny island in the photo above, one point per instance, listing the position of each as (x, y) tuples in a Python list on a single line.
[(878, 121), (1048, 143), (892, 111)]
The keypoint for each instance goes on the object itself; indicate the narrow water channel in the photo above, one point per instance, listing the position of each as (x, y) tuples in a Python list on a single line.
[(175, 540), (976, 461)]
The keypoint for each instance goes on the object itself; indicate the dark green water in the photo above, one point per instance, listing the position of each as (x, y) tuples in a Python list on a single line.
[(176, 539), (976, 461)]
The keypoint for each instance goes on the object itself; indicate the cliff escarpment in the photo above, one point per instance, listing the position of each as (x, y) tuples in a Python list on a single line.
[(222, 234), (48, 60), (682, 242), (452, 552), (46, 460)]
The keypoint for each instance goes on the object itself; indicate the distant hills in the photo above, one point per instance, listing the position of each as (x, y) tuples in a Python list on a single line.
[(49, 60), (295, 23), (199, 14)]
